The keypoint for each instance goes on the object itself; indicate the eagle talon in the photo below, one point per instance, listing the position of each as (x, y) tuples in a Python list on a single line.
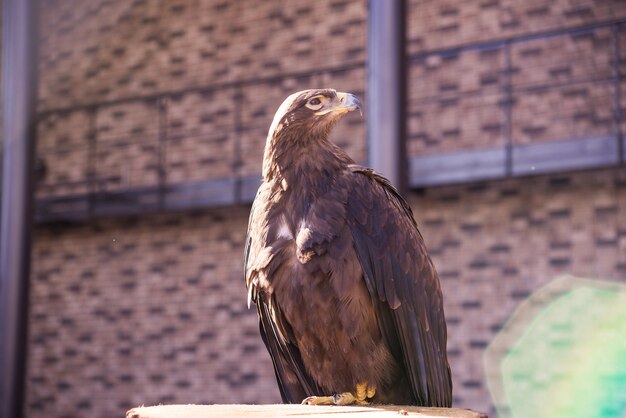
[(345, 398), (341, 399), (318, 400)]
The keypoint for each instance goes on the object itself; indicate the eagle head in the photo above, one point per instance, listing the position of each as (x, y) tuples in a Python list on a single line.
[(313, 111)]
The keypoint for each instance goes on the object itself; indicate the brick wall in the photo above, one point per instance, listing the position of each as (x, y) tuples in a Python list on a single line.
[(143, 311)]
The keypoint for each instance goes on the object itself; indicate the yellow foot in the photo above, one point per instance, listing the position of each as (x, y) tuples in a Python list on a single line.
[(363, 393)]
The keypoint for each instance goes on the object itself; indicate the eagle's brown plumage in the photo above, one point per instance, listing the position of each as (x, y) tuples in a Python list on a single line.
[(344, 287)]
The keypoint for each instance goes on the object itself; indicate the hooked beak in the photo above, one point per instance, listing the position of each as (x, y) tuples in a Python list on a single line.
[(347, 103)]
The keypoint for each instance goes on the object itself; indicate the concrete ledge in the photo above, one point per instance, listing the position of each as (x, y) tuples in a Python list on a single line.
[(269, 411)]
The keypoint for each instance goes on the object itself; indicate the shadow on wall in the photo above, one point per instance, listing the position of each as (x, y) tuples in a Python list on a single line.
[(562, 353)]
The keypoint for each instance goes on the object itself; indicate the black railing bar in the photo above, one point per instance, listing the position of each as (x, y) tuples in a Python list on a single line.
[(499, 43), (575, 59), (112, 141), (453, 51), (617, 99), (237, 147), (153, 139), (59, 150), (203, 89), (530, 88), (92, 160), (495, 90), (50, 215), (128, 193), (163, 107), (507, 111), (215, 135), (426, 78), (74, 183)]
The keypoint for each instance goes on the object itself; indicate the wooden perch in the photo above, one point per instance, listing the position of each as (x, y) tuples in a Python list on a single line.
[(270, 411)]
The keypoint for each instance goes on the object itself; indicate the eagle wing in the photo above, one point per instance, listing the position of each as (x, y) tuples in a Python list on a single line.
[(293, 381), (403, 283)]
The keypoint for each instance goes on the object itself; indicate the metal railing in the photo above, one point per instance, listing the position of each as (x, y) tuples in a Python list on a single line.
[(100, 196), (509, 156)]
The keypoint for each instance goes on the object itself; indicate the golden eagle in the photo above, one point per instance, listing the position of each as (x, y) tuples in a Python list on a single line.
[(348, 299)]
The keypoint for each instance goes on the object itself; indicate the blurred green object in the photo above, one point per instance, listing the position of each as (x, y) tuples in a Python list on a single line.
[(562, 353)]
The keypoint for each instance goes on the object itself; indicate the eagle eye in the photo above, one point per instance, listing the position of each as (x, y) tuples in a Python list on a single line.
[(315, 103)]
